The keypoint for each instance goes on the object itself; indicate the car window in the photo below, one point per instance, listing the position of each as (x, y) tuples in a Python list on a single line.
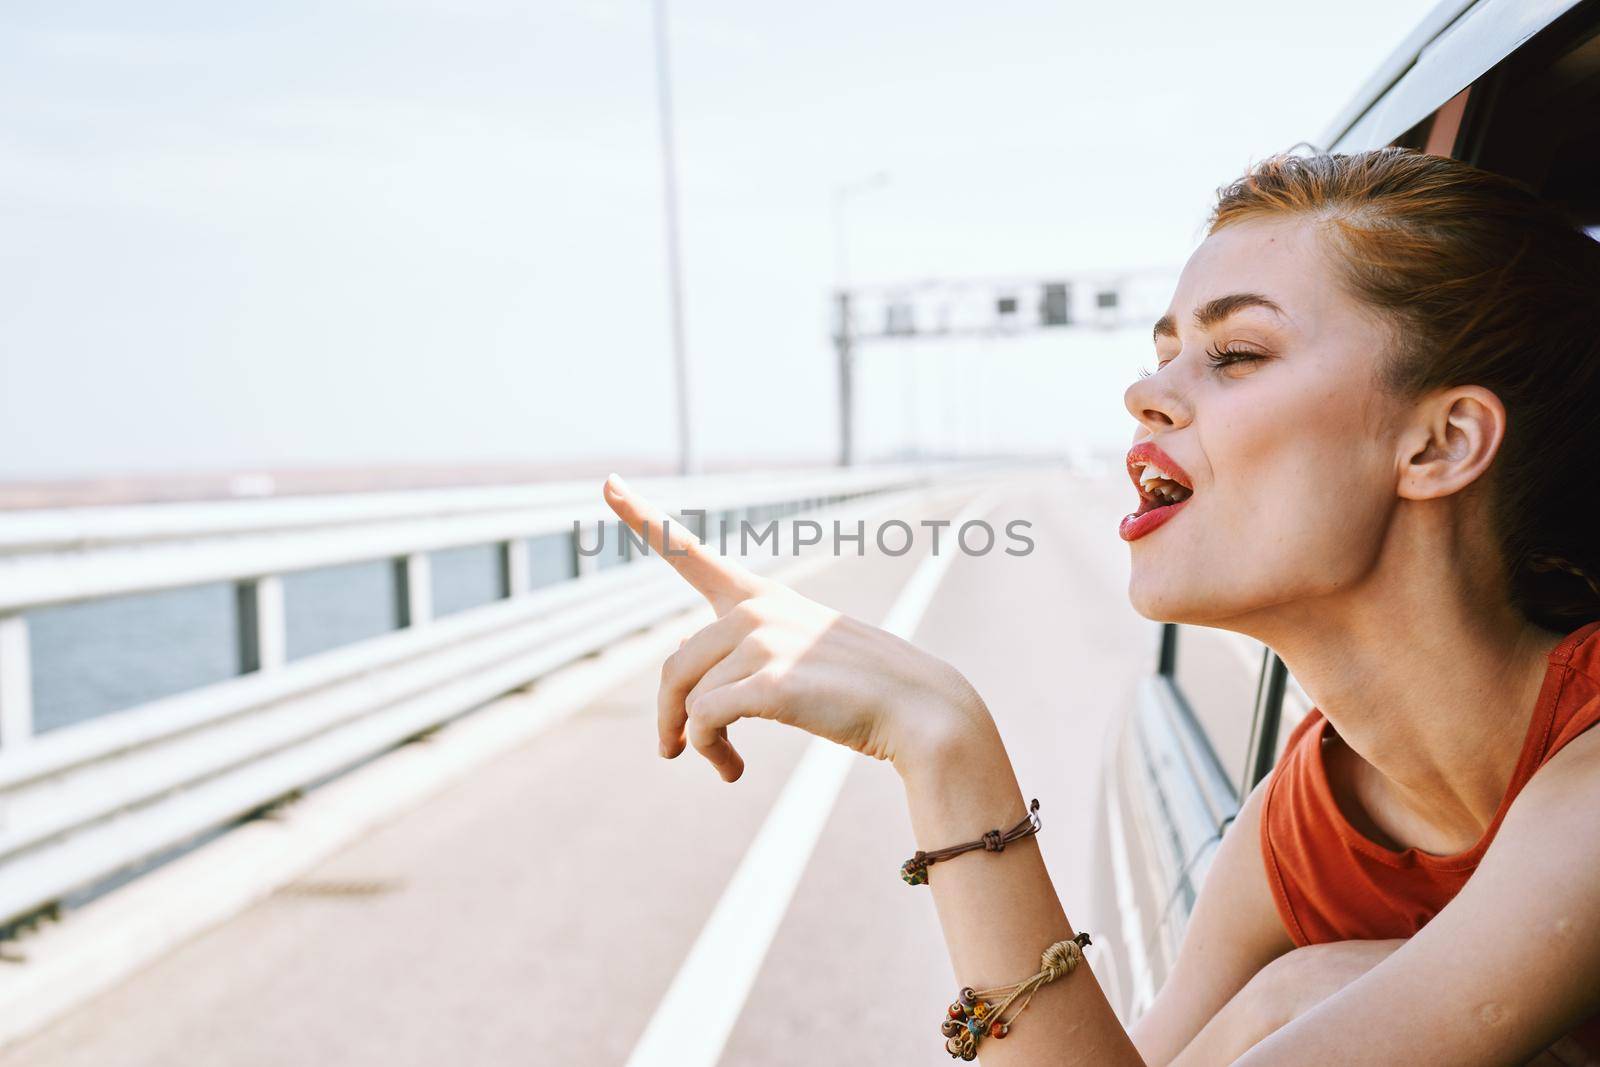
[(1216, 673), (1539, 120)]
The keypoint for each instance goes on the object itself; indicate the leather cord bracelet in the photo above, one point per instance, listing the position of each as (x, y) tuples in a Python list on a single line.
[(915, 869), (980, 1013)]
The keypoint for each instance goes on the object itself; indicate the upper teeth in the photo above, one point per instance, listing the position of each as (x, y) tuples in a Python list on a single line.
[(1152, 473), (1161, 485)]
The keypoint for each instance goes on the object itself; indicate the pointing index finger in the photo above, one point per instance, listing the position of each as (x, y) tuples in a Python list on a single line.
[(723, 584)]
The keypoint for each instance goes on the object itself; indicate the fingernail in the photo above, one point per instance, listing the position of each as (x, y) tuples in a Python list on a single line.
[(615, 483), (663, 749)]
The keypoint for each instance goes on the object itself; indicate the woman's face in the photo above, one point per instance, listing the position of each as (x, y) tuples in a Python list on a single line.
[(1266, 401)]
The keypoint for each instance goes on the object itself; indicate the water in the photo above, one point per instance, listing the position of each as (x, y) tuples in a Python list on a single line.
[(334, 606), (101, 656)]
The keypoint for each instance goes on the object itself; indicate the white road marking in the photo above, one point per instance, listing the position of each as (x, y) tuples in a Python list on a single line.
[(691, 1025)]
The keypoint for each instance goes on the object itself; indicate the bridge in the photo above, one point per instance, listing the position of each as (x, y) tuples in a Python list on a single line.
[(454, 841)]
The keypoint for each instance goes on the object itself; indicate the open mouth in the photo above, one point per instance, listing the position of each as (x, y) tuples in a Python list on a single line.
[(1163, 487)]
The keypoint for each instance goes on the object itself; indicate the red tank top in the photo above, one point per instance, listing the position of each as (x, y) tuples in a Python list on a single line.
[(1333, 884)]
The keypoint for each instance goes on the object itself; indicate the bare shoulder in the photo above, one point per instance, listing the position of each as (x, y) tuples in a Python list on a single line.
[(1574, 767), (1553, 815), (1234, 932)]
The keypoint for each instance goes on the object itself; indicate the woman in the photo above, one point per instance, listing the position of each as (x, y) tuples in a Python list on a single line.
[(1364, 444)]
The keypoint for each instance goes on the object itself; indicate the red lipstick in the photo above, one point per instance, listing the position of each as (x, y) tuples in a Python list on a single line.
[(1160, 497)]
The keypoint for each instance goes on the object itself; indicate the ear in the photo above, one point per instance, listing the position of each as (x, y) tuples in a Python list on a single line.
[(1455, 436)]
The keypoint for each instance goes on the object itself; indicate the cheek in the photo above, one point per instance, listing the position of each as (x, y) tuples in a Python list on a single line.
[(1305, 530), (1294, 506), (1309, 487)]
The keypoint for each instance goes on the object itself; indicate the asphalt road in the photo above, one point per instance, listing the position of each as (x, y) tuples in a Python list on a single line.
[(537, 912)]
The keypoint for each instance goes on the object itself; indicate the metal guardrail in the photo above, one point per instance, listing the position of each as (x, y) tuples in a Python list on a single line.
[(82, 803)]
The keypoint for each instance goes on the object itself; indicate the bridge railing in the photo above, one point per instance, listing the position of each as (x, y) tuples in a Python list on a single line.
[(82, 803)]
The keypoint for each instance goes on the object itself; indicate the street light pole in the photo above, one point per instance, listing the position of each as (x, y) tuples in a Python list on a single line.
[(687, 461), (843, 339), (846, 358)]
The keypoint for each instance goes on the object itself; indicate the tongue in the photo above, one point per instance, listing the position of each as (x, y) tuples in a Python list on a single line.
[(1148, 504)]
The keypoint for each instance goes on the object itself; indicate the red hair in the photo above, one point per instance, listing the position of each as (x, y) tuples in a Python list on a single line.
[(1483, 284)]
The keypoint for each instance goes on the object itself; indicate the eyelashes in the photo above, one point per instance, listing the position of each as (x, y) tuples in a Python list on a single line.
[(1226, 357), (1217, 358)]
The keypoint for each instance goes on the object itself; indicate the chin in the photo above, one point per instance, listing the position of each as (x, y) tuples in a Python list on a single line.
[(1167, 598), (1157, 599)]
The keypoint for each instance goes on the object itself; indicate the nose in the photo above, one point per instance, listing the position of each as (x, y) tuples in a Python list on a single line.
[(1157, 404)]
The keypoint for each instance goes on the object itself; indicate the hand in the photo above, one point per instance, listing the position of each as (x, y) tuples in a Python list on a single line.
[(773, 654)]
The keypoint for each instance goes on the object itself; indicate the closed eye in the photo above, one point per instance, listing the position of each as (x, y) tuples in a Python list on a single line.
[(1224, 357), (1216, 357)]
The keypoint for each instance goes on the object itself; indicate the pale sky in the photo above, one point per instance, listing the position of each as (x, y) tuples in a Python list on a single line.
[(426, 231)]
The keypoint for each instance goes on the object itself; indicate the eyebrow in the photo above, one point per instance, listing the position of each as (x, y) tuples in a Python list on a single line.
[(1214, 311)]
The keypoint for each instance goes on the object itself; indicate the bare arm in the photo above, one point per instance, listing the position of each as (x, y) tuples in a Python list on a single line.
[(1296, 983), (999, 911), (1281, 992)]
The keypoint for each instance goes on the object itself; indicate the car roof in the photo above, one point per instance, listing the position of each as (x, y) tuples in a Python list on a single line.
[(1453, 46)]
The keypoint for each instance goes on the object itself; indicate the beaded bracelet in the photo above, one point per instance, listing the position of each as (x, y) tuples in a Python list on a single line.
[(972, 1017), (915, 869)]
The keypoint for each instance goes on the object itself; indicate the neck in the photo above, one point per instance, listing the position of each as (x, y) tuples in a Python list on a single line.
[(1429, 675)]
